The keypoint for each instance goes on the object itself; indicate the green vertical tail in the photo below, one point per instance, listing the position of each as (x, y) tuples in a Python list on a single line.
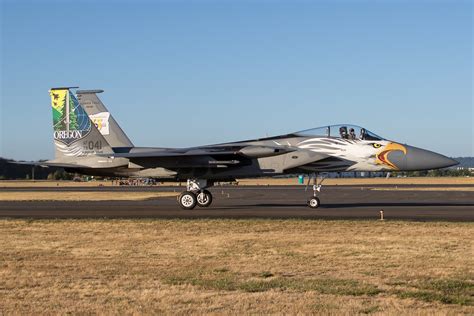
[(74, 133)]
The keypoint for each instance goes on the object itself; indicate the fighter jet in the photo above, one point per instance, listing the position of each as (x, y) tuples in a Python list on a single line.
[(88, 140)]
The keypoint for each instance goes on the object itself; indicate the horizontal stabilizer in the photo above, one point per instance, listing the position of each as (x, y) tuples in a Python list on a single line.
[(47, 164)]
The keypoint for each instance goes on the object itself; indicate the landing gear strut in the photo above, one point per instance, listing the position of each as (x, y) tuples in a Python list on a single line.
[(314, 201), (195, 194)]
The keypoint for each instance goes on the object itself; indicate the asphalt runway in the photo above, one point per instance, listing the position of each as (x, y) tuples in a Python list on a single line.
[(272, 202)]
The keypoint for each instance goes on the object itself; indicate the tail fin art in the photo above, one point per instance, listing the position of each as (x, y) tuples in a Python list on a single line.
[(102, 118), (74, 133)]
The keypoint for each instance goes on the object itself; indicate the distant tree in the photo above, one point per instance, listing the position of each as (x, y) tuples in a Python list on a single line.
[(449, 172), (435, 173), (60, 174)]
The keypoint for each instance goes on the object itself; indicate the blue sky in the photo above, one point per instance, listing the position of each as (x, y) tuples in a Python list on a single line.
[(186, 73)]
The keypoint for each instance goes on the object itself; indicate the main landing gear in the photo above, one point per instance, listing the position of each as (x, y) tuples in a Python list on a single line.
[(314, 201), (195, 194)]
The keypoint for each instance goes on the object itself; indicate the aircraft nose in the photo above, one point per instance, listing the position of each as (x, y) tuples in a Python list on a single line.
[(421, 159)]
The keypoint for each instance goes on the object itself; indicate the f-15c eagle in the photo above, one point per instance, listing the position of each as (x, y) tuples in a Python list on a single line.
[(89, 141)]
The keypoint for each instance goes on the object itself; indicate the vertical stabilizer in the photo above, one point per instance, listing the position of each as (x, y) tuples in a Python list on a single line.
[(102, 118), (74, 133)]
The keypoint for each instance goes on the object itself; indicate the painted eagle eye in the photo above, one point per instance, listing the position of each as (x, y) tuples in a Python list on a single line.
[(376, 145)]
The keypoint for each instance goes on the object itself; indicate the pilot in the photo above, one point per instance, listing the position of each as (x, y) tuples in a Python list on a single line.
[(343, 132), (362, 133), (352, 134)]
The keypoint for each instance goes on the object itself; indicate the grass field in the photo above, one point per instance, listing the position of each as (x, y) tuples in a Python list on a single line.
[(235, 266)]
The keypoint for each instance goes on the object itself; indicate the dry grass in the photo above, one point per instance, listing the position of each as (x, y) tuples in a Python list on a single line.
[(261, 181), (81, 196), (235, 266)]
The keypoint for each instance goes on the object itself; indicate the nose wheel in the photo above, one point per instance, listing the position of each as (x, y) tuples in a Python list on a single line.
[(314, 202)]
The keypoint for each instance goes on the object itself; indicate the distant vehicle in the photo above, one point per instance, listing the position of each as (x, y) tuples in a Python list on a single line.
[(89, 141)]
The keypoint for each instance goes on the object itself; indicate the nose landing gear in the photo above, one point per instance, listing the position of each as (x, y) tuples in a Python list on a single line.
[(195, 194), (314, 202)]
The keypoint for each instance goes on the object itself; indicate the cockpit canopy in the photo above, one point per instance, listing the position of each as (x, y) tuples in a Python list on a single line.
[(345, 131)]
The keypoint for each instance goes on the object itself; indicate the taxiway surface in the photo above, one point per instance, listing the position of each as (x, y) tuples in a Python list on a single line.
[(338, 202)]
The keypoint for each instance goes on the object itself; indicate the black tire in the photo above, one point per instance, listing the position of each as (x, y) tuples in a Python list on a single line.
[(187, 200), (314, 202), (204, 198)]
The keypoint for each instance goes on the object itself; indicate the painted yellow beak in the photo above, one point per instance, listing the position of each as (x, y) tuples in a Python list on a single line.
[(382, 156)]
